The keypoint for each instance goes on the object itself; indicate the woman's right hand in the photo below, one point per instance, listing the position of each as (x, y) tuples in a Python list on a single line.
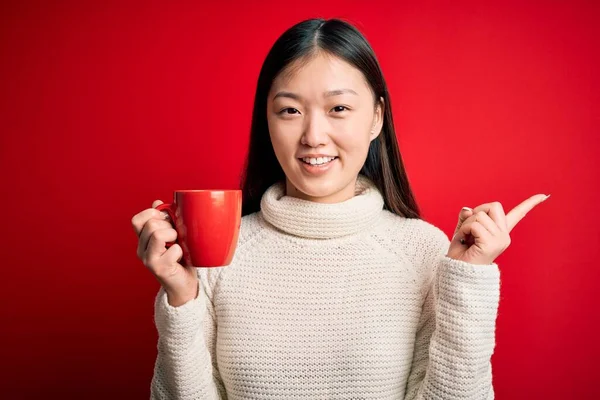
[(154, 231)]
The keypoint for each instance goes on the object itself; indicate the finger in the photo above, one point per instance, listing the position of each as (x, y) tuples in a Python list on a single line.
[(495, 212), (465, 213), (157, 203), (173, 255), (157, 243), (163, 267), (482, 218), (487, 222), (139, 220), (475, 229), (517, 213), (152, 225)]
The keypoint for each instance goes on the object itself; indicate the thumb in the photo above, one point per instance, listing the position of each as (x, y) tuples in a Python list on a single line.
[(169, 272), (173, 255), (465, 213), (156, 203)]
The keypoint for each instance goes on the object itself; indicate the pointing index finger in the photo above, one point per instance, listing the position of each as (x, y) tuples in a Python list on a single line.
[(516, 214)]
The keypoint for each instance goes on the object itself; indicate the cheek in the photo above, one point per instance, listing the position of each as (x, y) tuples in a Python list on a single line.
[(285, 135), (353, 133), (354, 142), (283, 143)]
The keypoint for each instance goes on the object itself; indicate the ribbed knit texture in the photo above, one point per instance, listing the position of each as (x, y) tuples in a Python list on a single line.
[(332, 301)]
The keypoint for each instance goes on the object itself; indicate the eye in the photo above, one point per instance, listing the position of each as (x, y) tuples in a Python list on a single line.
[(292, 111), (338, 107), (285, 109)]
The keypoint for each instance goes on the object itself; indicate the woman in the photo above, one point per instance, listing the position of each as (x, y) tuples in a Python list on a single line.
[(337, 288)]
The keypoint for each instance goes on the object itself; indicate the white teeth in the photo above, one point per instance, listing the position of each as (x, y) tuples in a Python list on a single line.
[(317, 161)]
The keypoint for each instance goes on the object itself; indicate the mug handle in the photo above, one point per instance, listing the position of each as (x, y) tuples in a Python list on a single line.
[(168, 207)]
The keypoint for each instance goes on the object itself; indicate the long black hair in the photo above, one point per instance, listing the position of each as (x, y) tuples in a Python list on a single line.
[(383, 165)]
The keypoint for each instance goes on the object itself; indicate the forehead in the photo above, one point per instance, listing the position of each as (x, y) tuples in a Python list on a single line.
[(318, 74)]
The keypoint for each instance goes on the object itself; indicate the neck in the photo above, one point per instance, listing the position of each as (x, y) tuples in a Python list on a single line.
[(345, 193)]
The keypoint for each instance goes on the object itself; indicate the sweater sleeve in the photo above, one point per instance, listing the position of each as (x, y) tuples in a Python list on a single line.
[(185, 366), (455, 339)]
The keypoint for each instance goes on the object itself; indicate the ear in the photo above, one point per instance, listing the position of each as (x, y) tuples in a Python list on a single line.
[(377, 119)]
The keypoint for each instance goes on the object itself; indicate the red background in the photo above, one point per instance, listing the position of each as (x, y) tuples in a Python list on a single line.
[(106, 106)]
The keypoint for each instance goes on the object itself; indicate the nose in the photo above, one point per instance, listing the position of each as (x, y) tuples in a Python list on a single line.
[(315, 133)]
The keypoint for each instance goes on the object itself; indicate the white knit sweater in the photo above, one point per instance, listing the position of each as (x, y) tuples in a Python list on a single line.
[(332, 301)]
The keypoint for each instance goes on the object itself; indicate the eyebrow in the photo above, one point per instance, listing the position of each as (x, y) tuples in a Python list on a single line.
[(330, 93)]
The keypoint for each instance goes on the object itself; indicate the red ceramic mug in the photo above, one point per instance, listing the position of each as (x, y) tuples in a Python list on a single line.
[(207, 224)]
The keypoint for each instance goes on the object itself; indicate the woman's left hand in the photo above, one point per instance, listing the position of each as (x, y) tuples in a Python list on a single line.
[(482, 234)]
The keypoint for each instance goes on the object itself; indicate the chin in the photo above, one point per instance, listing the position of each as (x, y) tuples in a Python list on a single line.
[(323, 188), (318, 189)]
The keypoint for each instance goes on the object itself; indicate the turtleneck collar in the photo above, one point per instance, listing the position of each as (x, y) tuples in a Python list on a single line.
[(310, 219)]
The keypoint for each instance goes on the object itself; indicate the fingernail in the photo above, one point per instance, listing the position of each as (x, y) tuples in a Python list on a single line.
[(467, 209), (546, 198), (164, 215)]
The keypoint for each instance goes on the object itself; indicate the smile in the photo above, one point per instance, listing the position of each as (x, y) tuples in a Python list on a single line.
[(313, 168), (318, 161)]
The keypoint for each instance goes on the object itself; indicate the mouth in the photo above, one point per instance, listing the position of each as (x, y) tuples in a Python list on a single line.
[(318, 169), (319, 161)]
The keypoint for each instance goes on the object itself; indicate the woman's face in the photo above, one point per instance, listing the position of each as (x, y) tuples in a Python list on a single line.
[(322, 110)]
